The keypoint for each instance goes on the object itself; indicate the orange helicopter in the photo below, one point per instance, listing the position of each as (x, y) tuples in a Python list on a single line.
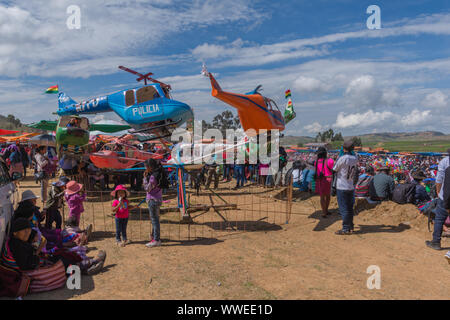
[(255, 111)]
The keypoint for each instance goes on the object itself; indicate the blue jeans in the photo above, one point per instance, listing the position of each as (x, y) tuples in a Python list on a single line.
[(121, 228), (269, 180), (226, 171), (346, 201), (153, 208), (440, 215), (307, 176), (240, 177)]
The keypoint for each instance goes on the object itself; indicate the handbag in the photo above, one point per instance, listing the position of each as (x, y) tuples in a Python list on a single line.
[(13, 283), (334, 185), (47, 278)]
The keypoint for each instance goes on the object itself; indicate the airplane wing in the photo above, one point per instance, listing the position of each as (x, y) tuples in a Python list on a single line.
[(108, 128), (44, 125)]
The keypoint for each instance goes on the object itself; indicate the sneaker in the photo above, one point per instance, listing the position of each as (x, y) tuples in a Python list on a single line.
[(433, 245), (343, 232), (153, 243), (447, 256), (96, 268), (101, 255), (126, 241)]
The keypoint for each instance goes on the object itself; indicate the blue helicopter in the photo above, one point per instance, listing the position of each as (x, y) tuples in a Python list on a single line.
[(148, 109)]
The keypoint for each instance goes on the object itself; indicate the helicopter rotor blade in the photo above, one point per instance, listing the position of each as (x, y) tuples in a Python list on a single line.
[(145, 76), (131, 71)]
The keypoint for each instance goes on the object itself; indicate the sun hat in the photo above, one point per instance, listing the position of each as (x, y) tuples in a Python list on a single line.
[(20, 224), (419, 176), (63, 180), (73, 187), (120, 187), (349, 145), (28, 195)]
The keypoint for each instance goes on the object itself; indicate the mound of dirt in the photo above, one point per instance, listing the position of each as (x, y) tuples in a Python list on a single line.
[(389, 212)]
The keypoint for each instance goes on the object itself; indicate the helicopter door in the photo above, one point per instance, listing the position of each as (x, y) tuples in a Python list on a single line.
[(129, 98), (145, 94)]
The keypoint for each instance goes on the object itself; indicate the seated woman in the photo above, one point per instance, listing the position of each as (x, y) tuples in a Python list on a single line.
[(297, 167), (55, 239), (421, 196), (20, 252), (24, 251)]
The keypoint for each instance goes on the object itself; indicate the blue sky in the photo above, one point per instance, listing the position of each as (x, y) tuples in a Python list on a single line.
[(341, 74)]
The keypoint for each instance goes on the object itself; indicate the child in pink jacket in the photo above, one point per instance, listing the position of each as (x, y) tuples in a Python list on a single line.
[(75, 197)]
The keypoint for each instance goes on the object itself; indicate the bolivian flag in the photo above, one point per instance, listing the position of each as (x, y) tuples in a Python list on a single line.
[(52, 89), (289, 112), (288, 93)]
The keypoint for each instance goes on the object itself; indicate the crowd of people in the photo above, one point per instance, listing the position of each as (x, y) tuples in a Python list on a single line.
[(419, 180), (39, 237)]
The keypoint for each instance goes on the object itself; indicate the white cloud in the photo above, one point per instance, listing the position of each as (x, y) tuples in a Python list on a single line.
[(362, 120), (232, 55), (416, 117), (436, 99), (307, 85), (364, 91), (314, 128), (383, 120), (36, 41)]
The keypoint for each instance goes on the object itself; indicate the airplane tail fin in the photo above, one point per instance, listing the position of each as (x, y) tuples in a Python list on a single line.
[(64, 100), (215, 86)]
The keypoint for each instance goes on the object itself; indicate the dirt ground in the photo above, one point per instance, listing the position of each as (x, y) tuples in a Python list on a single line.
[(266, 259)]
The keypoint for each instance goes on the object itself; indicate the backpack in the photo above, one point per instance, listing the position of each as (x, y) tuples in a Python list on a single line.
[(161, 177), (427, 209), (404, 193), (362, 187)]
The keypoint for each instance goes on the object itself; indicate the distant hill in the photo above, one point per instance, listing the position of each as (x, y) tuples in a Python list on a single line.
[(12, 123), (404, 136), (425, 141), (295, 141)]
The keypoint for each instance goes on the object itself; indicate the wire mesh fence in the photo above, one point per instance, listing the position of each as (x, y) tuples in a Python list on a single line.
[(213, 213)]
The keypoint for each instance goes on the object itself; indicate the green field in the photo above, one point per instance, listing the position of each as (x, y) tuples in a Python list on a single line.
[(411, 146), (426, 141)]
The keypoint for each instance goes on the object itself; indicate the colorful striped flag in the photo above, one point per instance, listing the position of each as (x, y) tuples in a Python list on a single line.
[(289, 112), (52, 89), (288, 93)]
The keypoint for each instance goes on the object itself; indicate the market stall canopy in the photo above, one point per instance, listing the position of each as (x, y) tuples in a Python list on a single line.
[(102, 127), (44, 140), (5, 132), (24, 137)]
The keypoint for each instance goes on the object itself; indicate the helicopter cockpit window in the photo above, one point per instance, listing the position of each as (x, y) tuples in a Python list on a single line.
[(146, 94), (129, 98), (271, 104)]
